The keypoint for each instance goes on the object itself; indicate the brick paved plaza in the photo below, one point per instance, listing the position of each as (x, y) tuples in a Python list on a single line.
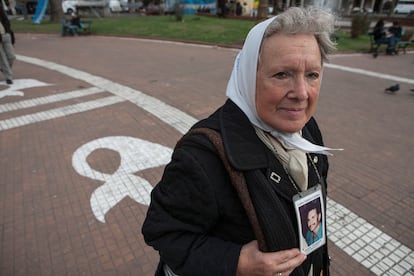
[(85, 133)]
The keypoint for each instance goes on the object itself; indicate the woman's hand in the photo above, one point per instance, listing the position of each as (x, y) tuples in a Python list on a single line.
[(254, 262)]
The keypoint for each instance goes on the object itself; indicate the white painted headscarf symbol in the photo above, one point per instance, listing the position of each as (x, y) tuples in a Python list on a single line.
[(135, 155), (241, 89)]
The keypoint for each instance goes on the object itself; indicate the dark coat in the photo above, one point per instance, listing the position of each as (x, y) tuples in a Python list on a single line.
[(5, 20), (6, 24), (196, 220)]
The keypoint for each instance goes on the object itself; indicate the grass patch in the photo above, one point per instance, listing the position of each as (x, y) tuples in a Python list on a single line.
[(20, 25), (346, 43), (192, 28)]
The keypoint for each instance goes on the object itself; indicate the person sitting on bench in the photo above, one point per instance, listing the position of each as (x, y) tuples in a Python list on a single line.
[(379, 32), (389, 37), (397, 31), (72, 25)]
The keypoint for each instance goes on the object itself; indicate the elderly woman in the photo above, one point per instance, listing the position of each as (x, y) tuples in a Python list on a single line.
[(205, 221)]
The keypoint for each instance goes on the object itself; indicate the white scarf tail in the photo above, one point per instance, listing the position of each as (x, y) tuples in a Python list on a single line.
[(296, 141)]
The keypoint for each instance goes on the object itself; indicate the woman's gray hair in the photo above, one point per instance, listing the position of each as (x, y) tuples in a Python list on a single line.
[(310, 20)]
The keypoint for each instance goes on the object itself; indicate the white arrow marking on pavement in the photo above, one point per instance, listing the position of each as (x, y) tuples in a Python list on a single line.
[(19, 84)]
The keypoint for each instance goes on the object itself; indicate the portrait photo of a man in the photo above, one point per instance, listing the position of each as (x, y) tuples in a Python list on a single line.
[(311, 223), (315, 227)]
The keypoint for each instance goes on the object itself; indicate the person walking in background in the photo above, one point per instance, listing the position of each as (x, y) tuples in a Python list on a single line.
[(7, 56), (224, 205)]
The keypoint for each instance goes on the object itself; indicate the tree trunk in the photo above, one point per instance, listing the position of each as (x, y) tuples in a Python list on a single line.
[(56, 12), (275, 7), (262, 11)]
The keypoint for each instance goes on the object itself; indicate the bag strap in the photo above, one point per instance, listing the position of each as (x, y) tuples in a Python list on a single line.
[(238, 181)]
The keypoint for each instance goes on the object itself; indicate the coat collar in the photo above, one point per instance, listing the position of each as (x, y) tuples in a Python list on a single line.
[(238, 133)]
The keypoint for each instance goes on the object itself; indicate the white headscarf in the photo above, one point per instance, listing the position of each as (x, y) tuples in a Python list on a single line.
[(241, 89)]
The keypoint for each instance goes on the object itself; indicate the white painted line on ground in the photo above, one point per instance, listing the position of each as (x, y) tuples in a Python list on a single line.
[(348, 231), (57, 112), (369, 73), (48, 99), (168, 114)]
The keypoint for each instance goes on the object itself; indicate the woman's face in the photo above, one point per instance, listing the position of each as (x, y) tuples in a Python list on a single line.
[(288, 80)]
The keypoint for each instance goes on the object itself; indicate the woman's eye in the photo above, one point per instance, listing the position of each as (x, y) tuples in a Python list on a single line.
[(280, 75), (313, 75)]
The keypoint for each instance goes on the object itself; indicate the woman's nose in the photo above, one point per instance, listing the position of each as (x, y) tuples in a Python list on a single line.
[(299, 89)]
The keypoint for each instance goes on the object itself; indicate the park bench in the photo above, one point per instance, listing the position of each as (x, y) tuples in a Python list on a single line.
[(85, 27), (374, 47), (402, 45)]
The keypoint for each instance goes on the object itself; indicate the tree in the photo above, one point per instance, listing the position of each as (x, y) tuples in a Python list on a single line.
[(262, 11), (275, 7), (55, 10)]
